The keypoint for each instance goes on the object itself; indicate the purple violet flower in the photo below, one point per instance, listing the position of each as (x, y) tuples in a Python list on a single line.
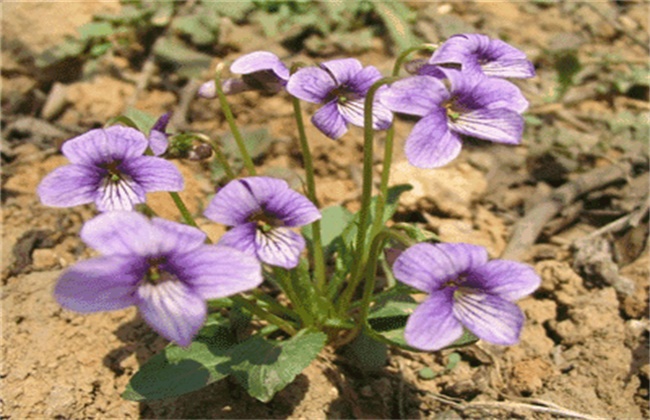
[(158, 137), (342, 86), (162, 267), (479, 53), (108, 168), (465, 290), (260, 70), (261, 211), (475, 105)]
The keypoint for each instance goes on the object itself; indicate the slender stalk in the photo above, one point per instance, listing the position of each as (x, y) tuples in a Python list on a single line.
[(283, 324), (285, 282), (319, 254), (182, 208), (366, 195), (227, 112), (218, 153), (378, 223), (404, 55), (145, 209), (273, 305), (388, 147)]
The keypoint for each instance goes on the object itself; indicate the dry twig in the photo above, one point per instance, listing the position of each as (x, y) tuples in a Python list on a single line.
[(527, 229), (539, 406)]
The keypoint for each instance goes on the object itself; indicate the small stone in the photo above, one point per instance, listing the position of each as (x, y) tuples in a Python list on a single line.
[(44, 258)]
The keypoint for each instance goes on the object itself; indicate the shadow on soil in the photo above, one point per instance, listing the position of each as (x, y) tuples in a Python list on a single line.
[(346, 393)]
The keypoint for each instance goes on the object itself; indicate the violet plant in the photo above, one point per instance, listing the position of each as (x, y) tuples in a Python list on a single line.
[(288, 278)]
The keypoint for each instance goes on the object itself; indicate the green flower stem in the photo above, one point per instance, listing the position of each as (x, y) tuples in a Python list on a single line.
[(378, 223), (371, 267), (273, 305), (319, 254), (404, 55), (219, 154), (376, 248), (366, 196), (227, 112), (283, 324), (145, 209), (284, 280), (182, 208)]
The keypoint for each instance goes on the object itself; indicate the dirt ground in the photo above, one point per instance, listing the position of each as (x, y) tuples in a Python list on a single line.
[(584, 348)]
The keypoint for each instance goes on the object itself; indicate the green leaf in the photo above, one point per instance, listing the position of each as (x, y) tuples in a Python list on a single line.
[(189, 63), (453, 360), (177, 371), (392, 201), (67, 49), (333, 222), (316, 305), (235, 10), (264, 367), (426, 373), (257, 143), (143, 120), (195, 27), (394, 308), (397, 19), (100, 49), (95, 30), (386, 323)]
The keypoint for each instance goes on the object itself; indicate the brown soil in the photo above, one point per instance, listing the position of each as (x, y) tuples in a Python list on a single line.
[(584, 349)]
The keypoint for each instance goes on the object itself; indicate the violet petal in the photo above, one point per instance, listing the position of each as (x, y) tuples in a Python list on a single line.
[(292, 208), (70, 185), (177, 237), (362, 80), (121, 233), (232, 205), (311, 84), (497, 125), (509, 280), (352, 112), (509, 68), (417, 95), (242, 238), (100, 284), (260, 61), (280, 247), (431, 144), (343, 70), (172, 309), (490, 93), (105, 145), (489, 317), (123, 194), (428, 267), (158, 142), (329, 120), (432, 325), (218, 271), (154, 173)]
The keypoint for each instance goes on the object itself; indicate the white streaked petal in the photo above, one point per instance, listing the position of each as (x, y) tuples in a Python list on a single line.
[(352, 111), (279, 246), (123, 194), (172, 309), (498, 125)]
